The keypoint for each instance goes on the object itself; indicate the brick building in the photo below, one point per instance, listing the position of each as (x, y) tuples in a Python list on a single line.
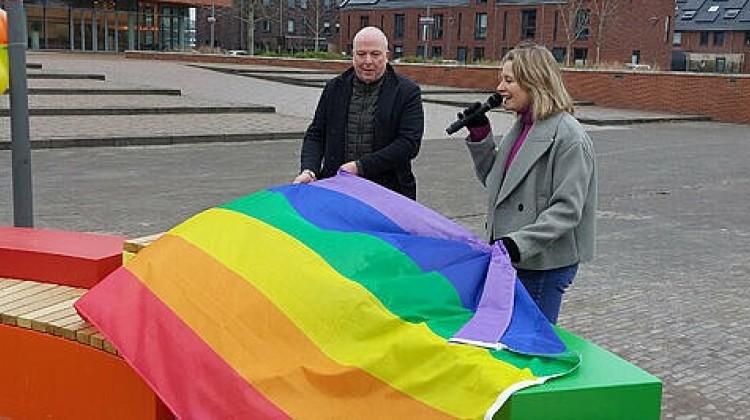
[(637, 32), (279, 25), (712, 36)]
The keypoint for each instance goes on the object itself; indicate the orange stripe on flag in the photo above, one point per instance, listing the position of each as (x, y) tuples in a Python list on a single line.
[(260, 342)]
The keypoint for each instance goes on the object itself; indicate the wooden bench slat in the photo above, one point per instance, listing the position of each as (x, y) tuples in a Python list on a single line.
[(11, 292), (5, 283), (40, 301)]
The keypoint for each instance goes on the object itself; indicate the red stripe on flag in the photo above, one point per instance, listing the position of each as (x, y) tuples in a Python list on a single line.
[(122, 307)]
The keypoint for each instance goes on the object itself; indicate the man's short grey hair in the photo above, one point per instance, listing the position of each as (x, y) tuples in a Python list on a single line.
[(370, 31)]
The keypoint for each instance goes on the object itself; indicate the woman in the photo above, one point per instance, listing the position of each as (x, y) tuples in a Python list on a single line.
[(540, 176)]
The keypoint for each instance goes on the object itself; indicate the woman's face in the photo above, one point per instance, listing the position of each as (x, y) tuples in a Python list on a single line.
[(516, 98)]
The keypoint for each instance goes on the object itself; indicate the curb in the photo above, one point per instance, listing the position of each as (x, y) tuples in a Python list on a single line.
[(64, 91), (53, 112), (64, 143)]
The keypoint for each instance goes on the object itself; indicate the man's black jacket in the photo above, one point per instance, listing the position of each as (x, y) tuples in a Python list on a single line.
[(398, 127)]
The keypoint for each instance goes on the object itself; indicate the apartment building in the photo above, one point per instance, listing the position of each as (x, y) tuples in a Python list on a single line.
[(634, 32), (712, 36), (272, 25)]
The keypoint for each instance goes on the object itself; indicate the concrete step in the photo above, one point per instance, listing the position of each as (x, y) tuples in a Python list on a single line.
[(46, 112)]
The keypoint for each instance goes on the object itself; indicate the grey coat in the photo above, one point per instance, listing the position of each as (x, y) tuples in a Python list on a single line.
[(547, 201)]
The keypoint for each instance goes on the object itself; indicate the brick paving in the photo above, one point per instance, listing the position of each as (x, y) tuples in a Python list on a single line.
[(668, 288)]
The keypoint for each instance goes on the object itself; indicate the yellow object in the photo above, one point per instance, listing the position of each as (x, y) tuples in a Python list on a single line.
[(4, 74)]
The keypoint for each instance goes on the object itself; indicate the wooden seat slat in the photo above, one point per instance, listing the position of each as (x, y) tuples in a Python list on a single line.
[(66, 327), (19, 291), (83, 335), (28, 297), (44, 323), (48, 308), (97, 340), (5, 283), (40, 301), (27, 320)]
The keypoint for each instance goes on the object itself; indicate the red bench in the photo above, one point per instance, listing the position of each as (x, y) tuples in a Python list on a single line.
[(74, 259)]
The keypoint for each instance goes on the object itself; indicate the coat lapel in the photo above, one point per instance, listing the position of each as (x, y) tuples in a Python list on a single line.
[(538, 141)]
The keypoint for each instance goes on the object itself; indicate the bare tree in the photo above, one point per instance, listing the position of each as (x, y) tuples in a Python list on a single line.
[(251, 12), (575, 20), (606, 15), (318, 16)]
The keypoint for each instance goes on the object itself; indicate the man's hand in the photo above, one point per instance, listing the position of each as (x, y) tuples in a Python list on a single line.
[(350, 167), (305, 177)]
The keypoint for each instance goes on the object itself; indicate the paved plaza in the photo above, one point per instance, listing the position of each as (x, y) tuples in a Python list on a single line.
[(668, 289)]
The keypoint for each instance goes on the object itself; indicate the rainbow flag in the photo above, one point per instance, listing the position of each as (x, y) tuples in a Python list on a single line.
[(335, 299)]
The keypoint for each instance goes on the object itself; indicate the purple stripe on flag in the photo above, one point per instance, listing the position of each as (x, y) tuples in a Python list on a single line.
[(404, 212), (495, 308)]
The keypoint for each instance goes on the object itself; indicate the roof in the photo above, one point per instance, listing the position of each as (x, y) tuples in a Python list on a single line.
[(401, 4), (712, 15)]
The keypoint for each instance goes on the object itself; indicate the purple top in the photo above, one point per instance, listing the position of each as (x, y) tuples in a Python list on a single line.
[(526, 117)]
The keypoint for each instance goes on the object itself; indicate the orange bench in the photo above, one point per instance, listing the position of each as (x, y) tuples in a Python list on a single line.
[(54, 364)]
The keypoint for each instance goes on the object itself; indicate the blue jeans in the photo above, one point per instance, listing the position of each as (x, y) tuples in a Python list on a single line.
[(546, 287)]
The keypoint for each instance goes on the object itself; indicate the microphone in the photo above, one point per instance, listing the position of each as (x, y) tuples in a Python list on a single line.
[(493, 101)]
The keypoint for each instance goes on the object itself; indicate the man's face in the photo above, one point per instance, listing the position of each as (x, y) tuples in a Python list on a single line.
[(370, 58)]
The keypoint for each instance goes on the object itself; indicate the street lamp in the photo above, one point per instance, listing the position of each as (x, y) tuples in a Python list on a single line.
[(212, 22), (426, 22)]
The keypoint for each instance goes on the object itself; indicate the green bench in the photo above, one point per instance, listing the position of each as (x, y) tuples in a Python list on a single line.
[(604, 387)]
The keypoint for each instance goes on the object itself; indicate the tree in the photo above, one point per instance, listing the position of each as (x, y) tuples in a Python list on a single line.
[(251, 12), (314, 14), (575, 20), (606, 14)]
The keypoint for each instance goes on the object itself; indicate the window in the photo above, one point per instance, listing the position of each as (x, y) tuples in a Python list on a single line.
[(461, 54), (290, 26), (327, 28), (554, 25), (528, 24), (480, 26), (731, 13), (478, 54), (583, 19), (458, 30), (267, 25), (420, 52), (713, 9), (747, 38), (505, 25), (719, 38), (721, 64), (290, 3), (688, 14), (559, 54), (303, 4), (677, 38), (437, 52), (635, 57), (398, 51), (437, 27), (398, 25), (364, 21), (579, 56), (704, 38), (327, 4)]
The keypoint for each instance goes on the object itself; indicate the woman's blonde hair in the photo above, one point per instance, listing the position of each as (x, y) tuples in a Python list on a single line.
[(537, 71)]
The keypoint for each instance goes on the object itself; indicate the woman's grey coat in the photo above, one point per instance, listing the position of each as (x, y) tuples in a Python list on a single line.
[(547, 201)]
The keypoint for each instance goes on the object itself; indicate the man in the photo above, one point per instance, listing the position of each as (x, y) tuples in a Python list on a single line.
[(369, 121)]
